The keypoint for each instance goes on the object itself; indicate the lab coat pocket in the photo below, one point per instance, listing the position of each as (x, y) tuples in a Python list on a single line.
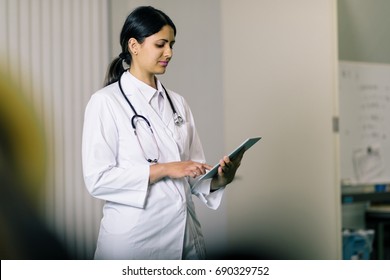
[(119, 219)]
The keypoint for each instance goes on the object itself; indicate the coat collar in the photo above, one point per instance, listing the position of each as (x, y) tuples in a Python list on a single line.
[(136, 89), (140, 87)]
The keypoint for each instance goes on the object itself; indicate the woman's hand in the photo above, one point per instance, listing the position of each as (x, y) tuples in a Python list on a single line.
[(226, 171), (178, 169)]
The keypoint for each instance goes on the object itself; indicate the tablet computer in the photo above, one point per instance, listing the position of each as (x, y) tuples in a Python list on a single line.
[(245, 145)]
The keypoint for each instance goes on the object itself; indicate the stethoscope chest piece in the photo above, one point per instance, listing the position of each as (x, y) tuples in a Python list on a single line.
[(177, 119)]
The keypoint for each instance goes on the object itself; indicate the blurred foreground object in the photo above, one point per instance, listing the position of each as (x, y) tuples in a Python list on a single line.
[(23, 232)]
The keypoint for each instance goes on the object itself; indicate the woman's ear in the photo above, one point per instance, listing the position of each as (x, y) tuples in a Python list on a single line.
[(133, 46)]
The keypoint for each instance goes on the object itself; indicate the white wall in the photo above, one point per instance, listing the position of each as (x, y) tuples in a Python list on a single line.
[(279, 62)]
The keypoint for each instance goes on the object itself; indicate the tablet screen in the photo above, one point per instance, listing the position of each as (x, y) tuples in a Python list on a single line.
[(245, 145)]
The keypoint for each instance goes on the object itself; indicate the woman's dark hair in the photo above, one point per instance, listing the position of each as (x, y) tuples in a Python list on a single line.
[(143, 22)]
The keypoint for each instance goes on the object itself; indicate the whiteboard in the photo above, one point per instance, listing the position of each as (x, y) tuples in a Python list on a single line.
[(364, 123)]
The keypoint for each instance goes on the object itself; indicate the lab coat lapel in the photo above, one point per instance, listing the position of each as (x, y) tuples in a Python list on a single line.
[(163, 126), (167, 114)]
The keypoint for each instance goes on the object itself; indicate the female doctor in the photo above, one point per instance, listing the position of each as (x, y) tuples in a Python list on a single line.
[(142, 155)]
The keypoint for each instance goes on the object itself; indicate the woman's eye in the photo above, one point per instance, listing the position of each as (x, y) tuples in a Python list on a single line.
[(160, 45)]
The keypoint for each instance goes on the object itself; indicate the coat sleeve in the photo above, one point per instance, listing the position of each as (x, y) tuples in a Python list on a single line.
[(211, 199), (103, 177)]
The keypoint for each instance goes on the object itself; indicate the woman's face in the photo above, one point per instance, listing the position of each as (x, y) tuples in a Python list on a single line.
[(153, 55)]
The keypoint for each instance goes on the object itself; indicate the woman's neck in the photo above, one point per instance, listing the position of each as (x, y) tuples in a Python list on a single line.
[(147, 79)]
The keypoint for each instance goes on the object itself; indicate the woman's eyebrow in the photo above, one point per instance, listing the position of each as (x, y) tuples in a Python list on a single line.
[(165, 40)]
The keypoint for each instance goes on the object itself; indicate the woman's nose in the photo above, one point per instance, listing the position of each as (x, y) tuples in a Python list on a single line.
[(168, 52)]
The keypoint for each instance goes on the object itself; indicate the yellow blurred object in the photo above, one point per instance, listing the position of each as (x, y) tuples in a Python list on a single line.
[(22, 148), (23, 231)]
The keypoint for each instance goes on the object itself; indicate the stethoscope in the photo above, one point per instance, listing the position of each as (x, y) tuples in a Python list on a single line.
[(178, 120)]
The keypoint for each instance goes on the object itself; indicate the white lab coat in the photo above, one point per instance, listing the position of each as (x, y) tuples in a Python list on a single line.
[(142, 220)]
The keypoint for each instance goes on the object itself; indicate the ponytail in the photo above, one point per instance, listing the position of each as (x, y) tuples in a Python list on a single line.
[(116, 68)]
